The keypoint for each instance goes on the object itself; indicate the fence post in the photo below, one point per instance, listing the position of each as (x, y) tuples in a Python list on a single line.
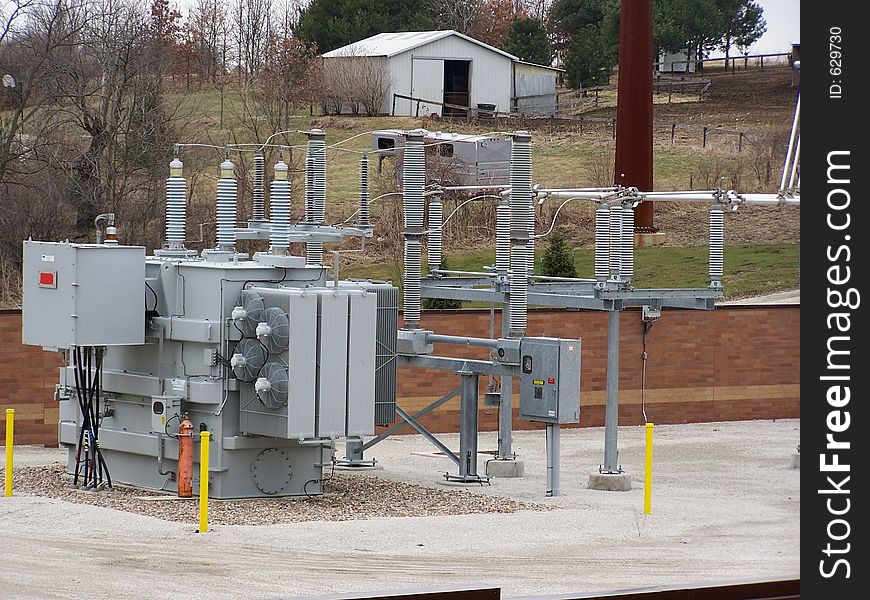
[(417, 112), (673, 133), (704, 143), (647, 471), (393, 112), (670, 91), (740, 142), (613, 126), (762, 62), (204, 439), (10, 444)]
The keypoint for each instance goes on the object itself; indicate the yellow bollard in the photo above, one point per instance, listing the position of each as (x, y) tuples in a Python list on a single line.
[(10, 433), (647, 473), (205, 436)]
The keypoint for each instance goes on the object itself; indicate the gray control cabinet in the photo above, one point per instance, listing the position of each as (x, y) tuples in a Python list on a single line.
[(83, 295), (550, 380)]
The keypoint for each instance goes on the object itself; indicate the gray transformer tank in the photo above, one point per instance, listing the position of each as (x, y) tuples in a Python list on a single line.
[(269, 359)]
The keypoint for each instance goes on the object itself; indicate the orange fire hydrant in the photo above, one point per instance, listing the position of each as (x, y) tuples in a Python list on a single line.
[(185, 458)]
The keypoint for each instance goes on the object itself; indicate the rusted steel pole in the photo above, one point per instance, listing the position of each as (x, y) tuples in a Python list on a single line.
[(634, 109)]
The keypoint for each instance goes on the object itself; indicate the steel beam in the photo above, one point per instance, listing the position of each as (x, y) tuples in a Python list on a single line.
[(428, 435), (611, 409), (506, 400)]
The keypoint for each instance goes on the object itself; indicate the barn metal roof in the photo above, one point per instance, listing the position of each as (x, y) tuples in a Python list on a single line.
[(391, 44)]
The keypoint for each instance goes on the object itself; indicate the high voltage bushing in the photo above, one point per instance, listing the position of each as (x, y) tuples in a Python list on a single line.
[(602, 242), (436, 216), (317, 152), (522, 228), (176, 206), (279, 209), (616, 240), (626, 270), (227, 190), (363, 215), (503, 236), (716, 258), (309, 189), (413, 183), (259, 211)]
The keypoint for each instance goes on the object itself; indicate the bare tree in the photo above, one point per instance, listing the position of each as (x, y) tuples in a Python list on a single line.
[(459, 15), (354, 83)]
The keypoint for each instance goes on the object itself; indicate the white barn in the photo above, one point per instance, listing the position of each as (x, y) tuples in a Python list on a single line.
[(448, 67)]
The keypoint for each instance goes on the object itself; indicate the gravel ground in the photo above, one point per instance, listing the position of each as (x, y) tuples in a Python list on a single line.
[(346, 497), (726, 506)]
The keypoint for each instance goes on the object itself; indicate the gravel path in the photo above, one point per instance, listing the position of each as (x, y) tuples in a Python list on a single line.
[(346, 498)]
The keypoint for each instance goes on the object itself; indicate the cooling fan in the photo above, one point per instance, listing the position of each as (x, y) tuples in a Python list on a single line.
[(247, 360), (249, 313), (272, 385), (273, 331)]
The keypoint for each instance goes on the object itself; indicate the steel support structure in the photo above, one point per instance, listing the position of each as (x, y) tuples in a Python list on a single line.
[(553, 484), (611, 409)]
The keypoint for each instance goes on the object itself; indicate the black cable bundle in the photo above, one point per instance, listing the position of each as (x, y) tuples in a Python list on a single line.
[(90, 464)]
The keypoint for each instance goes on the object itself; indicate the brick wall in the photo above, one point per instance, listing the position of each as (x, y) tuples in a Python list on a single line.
[(740, 362), (734, 363), (27, 379)]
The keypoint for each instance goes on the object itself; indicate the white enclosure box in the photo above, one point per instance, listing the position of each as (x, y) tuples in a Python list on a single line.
[(83, 295)]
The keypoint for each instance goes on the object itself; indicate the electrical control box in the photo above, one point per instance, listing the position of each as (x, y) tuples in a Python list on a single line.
[(82, 295), (550, 380), (163, 410)]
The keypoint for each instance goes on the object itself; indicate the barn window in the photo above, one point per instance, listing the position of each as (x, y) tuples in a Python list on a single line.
[(445, 150)]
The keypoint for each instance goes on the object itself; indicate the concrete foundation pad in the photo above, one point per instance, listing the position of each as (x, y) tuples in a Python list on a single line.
[(358, 468), (610, 482), (462, 484), (796, 460), (646, 240), (505, 468)]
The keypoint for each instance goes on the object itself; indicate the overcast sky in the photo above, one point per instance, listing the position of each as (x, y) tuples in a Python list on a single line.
[(783, 24)]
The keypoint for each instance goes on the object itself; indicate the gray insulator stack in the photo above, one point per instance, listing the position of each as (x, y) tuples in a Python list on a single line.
[(716, 264), (503, 236), (436, 216), (176, 206), (363, 215), (317, 151), (227, 190), (309, 189), (259, 211), (413, 183), (616, 240), (627, 267), (522, 227), (602, 242), (279, 209)]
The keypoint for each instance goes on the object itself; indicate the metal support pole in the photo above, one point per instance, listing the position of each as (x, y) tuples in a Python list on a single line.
[(468, 427), (506, 400), (553, 485), (611, 411)]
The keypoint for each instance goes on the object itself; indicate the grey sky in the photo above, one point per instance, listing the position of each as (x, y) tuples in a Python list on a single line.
[(783, 24)]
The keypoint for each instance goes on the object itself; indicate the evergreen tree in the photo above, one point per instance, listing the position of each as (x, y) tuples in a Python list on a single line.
[(332, 24), (558, 261), (590, 58), (441, 303), (527, 39)]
